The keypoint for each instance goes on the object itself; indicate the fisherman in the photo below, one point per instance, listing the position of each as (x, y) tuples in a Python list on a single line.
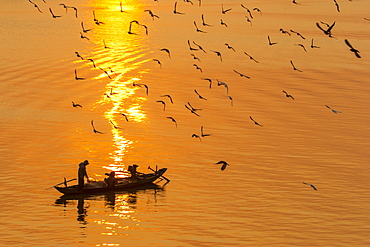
[(111, 180), (132, 170), (82, 174)]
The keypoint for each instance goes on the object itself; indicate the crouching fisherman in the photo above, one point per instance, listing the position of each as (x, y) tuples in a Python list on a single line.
[(111, 180), (132, 170), (82, 174)]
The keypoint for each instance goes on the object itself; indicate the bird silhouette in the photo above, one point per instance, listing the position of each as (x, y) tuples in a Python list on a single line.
[(223, 23), (151, 14), (159, 62), (231, 99), (224, 164), (297, 33), (224, 11), (95, 131), (168, 96), (52, 14), (270, 43), (241, 75), (202, 132), (197, 29), (200, 47), (198, 68), (327, 31), (93, 62), (125, 116), (229, 47), (121, 8), (114, 126), (355, 51), (167, 51), (311, 185), (83, 36), (36, 6), (301, 45), (294, 68), (250, 57), (284, 31), (209, 80), (313, 46), (163, 103), (173, 120), (218, 54), (221, 83), (255, 122), (336, 5), (195, 57), (76, 105), (83, 28), (76, 76), (200, 96), (142, 85), (288, 95), (204, 23), (175, 10), (196, 136), (191, 48), (333, 109)]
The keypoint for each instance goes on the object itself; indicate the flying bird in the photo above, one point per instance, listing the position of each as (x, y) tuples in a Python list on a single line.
[(163, 103), (210, 81), (142, 85), (301, 45), (196, 136), (333, 109), (355, 51), (114, 126), (218, 54), (83, 36), (159, 62), (223, 23), (270, 43), (231, 99), (95, 131), (224, 11), (284, 31), (200, 96), (200, 47), (336, 5), (52, 14), (241, 75), (78, 78), (313, 46), (202, 132), (288, 95), (173, 120), (221, 83), (125, 116), (313, 186), (327, 31), (76, 105), (175, 10), (256, 123), (250, 57), (300, 35), (93, 62), (197, 29), (168, 96), (198, 68), (204, 23), (197, 58), (167, 51), (191, 48), (151, 14), (83, 28), (229, 47), (294, 68), (35, 5), (224, 164)]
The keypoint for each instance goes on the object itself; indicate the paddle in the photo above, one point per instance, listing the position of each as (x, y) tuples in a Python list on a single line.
[(161, 175), (65, 182)]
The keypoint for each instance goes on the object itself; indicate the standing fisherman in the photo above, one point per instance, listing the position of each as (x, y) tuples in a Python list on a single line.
[(82, 174)]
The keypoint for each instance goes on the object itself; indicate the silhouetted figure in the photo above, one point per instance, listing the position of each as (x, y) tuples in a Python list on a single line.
[(132, 170), (82, 174)]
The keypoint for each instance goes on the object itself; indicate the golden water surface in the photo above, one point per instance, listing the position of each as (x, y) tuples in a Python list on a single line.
[(260, 198)]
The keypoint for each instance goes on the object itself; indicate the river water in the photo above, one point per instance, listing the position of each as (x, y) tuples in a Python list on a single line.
[(260, 198)]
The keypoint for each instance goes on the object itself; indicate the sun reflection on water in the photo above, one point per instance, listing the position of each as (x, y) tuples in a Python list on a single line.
[(119, 57)]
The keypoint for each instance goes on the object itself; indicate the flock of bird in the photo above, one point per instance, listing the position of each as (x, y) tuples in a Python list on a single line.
[(134, 27)]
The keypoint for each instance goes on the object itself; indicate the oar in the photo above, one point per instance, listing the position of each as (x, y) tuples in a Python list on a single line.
[(161, 175), (65, 182)]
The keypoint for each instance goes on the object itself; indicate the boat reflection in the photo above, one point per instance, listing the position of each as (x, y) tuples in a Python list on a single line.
[(122, 203)]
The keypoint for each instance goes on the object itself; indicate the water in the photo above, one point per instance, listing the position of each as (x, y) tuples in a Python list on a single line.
[(260, 199)]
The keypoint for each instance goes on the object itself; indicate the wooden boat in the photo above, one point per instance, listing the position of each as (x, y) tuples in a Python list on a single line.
[(96, 187)]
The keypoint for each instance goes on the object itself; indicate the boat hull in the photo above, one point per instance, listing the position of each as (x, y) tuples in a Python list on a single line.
[(123, 184)]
